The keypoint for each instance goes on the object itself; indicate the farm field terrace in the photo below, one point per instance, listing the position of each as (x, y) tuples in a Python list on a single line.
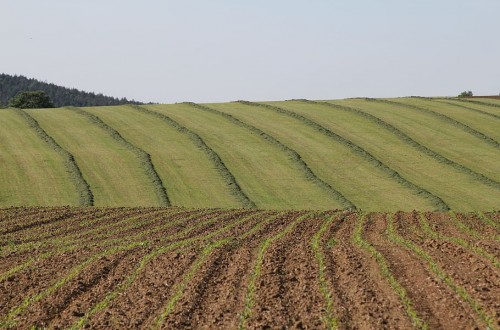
[(426, 154), (74, 268)]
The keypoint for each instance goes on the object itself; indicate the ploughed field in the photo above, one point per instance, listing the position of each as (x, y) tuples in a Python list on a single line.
[(406, 154), (213, 268)]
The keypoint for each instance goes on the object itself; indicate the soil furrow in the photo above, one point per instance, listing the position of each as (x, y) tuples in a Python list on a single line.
[(366, 299), (287, 293), (463, 267), (78, 224), (481, 225), (223, 274), (146, 316), (449, 228), (70, 300), (434, 302), (226, 269), (39, 276)]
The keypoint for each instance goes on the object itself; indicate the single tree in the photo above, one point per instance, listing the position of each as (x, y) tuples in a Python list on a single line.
[(31, 100), (465, 94)]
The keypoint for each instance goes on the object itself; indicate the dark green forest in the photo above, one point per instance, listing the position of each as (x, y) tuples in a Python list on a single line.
[(10, 86)]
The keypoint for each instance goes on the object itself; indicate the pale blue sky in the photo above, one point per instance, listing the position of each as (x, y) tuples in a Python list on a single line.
[(220, 50)]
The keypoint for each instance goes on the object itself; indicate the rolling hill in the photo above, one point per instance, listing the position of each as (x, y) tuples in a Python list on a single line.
[(365, 154)]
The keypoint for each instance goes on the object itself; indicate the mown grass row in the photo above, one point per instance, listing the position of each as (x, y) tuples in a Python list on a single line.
[(437, 201), (450, 120), (143, 156), (85, 195), (358, 240), (416, 145), (467, 108), (439, 272), (228, 177), (292, 154), (494, 105)]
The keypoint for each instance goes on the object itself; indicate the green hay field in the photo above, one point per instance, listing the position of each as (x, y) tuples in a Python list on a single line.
[(368, 154)]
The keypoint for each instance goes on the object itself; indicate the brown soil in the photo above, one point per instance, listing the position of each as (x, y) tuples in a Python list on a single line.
[(364, 298), (433, 301), (462, 265), (446, 226), (288, 292)]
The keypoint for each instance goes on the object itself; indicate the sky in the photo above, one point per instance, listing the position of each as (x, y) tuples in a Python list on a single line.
[(170, 51)]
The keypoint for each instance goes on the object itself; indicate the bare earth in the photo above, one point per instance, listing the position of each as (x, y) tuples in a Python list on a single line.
[(175, 268)]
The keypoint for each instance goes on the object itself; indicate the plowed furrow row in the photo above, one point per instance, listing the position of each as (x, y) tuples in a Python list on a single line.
[(434, 302), (77, 225), (386, 272), (17, 217), (287, 293), (12, 316), (27, 260), (460, 235), (462, 265), (250, 297), (175, 246), (366, 299), (406, 236), (84, 290), (15, 287), (481, 224), (173, 268), (216, 295), (236, 235), (37, 221), (46, 248)]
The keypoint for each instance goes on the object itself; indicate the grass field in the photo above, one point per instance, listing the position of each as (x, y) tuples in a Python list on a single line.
[(32, 173), (367, 154), (173, 268)]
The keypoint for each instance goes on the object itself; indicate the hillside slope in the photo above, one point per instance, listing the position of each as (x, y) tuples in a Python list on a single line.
[(368, 154)]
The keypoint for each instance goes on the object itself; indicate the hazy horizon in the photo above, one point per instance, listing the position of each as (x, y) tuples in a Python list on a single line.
[(174, 51)]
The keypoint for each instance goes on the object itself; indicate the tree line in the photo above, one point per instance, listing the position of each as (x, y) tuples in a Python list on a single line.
[(12, 86)]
